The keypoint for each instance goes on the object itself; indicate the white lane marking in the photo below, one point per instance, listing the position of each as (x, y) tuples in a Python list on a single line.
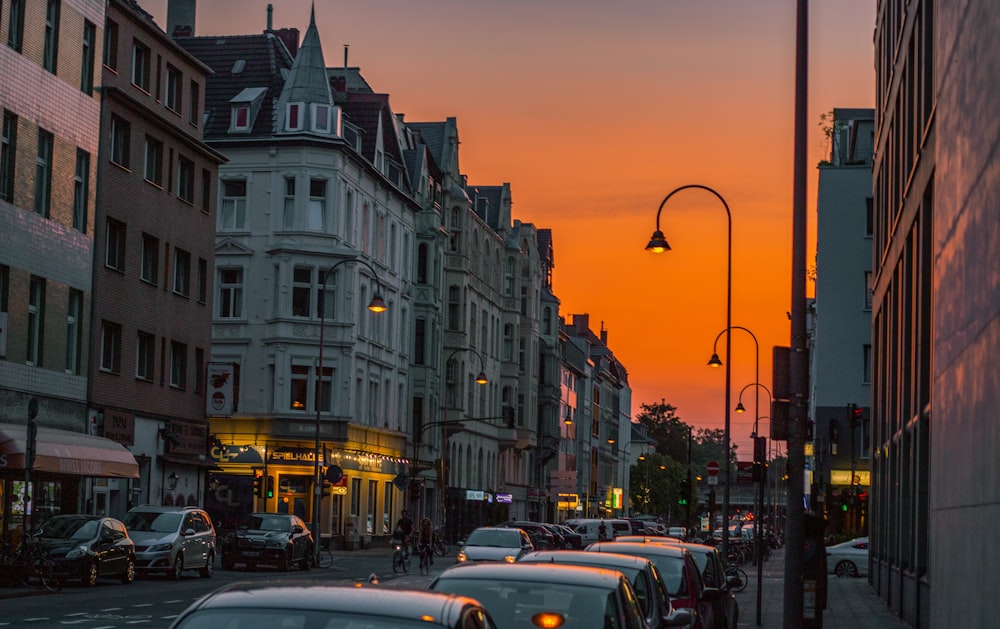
[(143, 605), (77, 614), (111, 609), (176, 600), (136, 622)]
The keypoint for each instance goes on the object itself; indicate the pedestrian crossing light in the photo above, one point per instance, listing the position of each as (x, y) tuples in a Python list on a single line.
[(270, 487), (258, 482)]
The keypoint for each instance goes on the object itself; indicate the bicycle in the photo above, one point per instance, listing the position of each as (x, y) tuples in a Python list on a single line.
[(739, 578), (400, 556), (440, 547), (35, 567), (426, 558), (323, 559)]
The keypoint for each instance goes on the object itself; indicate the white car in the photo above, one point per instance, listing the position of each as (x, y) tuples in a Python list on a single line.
[(848, 559), (489, 543)]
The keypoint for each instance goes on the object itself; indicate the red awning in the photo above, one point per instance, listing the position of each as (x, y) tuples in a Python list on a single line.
[(66, 452)]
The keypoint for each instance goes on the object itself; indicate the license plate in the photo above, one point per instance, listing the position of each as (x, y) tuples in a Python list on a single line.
[(251, 553)]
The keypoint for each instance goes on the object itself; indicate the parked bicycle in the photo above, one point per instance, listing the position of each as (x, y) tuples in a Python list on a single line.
[(322, 559), (29, 563), (741, 578)]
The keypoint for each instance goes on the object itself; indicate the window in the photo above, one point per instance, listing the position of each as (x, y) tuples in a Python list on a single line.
[(301, 291), (154, 161), (111, 45), (15, 34), (866, 363), (508, 341), (202, 280), (869, 290), (234, 204), (36, 320), (182, 272), (121, 136), (74, 321), (317, 204), (321, 118), (288, 220), (150, 262), (293, 117), (869, 217), (50, 50), (114, 243), (454, 308), (194, 111), (299, 388), (43, 173), (81, 185), (185, 179), (240, 120), (87, 57), (111, 341), (419, 341), (145, 355), (199, 370), (178, 365), (206, 190), (422, 263), (230, 293), (141, 59), (174, 89), (8, 151)]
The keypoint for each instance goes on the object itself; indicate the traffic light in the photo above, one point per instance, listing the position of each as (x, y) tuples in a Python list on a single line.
[(855, 415), (270, 487), (685, 493), (258, 482)]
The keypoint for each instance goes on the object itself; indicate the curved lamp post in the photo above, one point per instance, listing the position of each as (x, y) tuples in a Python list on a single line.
[(480, 379), (760, 462), (658, 244), (377, 305)]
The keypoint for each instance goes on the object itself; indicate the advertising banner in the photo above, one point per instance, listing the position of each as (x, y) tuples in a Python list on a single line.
[(219, 400)]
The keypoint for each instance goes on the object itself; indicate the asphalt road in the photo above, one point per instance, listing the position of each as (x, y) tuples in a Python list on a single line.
[(156, 601)]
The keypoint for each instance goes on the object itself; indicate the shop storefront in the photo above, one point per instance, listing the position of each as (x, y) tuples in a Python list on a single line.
[(64, 461)]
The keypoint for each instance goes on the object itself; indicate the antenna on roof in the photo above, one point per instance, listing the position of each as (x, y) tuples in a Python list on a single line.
[(270, 13), (346, 46)]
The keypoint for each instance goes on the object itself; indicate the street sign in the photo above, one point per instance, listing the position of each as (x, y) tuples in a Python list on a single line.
[(712, 467)]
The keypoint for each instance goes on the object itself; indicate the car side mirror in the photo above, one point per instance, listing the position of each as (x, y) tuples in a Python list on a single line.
[(188, 532), (297, 529)]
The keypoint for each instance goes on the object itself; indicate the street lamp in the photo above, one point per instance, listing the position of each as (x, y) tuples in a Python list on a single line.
[(658, 244), (760, 464), (376, 305), (480, 379)]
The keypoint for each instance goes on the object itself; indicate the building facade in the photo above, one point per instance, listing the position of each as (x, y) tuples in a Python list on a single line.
[(840, 344)]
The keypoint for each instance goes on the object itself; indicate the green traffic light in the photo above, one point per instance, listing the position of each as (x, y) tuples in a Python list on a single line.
[(843, 508)]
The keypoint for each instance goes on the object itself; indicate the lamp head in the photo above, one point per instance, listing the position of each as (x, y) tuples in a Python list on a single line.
[(714, 361), (172, 481), (657, 243), (377, 304), (740, 408), (481, 378)]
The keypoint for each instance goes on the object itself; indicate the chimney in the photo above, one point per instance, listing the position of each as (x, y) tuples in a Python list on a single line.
[(604, 334), (270, 17), (289, 37), (180, 18), (346, 47)]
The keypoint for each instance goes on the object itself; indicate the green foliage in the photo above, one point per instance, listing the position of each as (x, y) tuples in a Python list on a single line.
[(655, 483)]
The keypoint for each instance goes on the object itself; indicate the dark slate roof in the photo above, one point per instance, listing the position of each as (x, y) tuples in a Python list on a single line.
[(307, 81), (363, 110), (432, 134), (545, 251), (265, 57), (347, 80), (492, 210)]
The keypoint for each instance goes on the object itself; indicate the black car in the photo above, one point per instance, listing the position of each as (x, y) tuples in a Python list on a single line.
[(275, 539), (725, 608), (541, 537), (87, 547)]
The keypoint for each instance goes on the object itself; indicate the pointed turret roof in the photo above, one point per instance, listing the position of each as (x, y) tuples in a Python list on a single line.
[(307, 80)]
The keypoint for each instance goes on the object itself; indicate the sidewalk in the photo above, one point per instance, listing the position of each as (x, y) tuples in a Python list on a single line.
[(851, 603)]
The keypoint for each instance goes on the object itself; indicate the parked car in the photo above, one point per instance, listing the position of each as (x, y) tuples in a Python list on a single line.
[(172, 540), (680, 572), (491, 543), (574, 541), (652, 539), (650, 589), (677, 531), (254, 605), (590, 528), (541, 537), (88, 547), (277, 539), (848, 559), (547, 595), (725, 609), (558, 539)]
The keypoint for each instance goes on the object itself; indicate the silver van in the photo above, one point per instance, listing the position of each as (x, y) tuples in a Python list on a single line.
[(590, 528), (172, 540)]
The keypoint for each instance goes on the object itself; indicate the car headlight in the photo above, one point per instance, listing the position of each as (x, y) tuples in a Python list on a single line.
[(461, 557), (158, 548), (510, 558), (280, 543), (77, 552)]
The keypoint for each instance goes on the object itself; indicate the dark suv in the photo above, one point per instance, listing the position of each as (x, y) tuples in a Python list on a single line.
[(171, 540), (276, 539), (541, 537)]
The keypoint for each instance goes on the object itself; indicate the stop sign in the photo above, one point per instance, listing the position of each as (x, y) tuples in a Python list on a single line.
[(712, 467)]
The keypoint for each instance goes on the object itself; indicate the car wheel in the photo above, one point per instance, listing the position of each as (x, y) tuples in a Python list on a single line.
[(178, 569), (208, 569), (89, 576), (846, 569), (129, 575), (284, 561)]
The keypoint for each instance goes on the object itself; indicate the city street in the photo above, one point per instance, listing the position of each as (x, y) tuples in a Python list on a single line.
[(156, 601)]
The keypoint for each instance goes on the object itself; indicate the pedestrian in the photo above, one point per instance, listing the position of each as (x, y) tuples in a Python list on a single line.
[(404, 529), (425, 537), (602, 532)]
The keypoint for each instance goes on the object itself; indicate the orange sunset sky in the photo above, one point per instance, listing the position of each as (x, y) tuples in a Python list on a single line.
[(594, 111)]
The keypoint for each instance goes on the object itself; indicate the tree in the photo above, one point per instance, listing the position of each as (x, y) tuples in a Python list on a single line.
[(664, 426), (655, 484)]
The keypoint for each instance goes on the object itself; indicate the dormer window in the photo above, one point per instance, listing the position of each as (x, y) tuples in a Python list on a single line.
[(293, 117), (320, 118), (243, 109)]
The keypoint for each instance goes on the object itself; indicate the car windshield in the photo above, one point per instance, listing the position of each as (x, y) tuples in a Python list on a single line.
[(671, 569), (257, 618), (514, 603), (151, 521), (267, 523), (494, 538), (69, 528)]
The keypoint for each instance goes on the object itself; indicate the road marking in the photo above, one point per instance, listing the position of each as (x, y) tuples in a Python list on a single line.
[(77, 614), (112, 609), (176, 600), (170, 617), (36, 619), (143, 605), (72, 622)]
